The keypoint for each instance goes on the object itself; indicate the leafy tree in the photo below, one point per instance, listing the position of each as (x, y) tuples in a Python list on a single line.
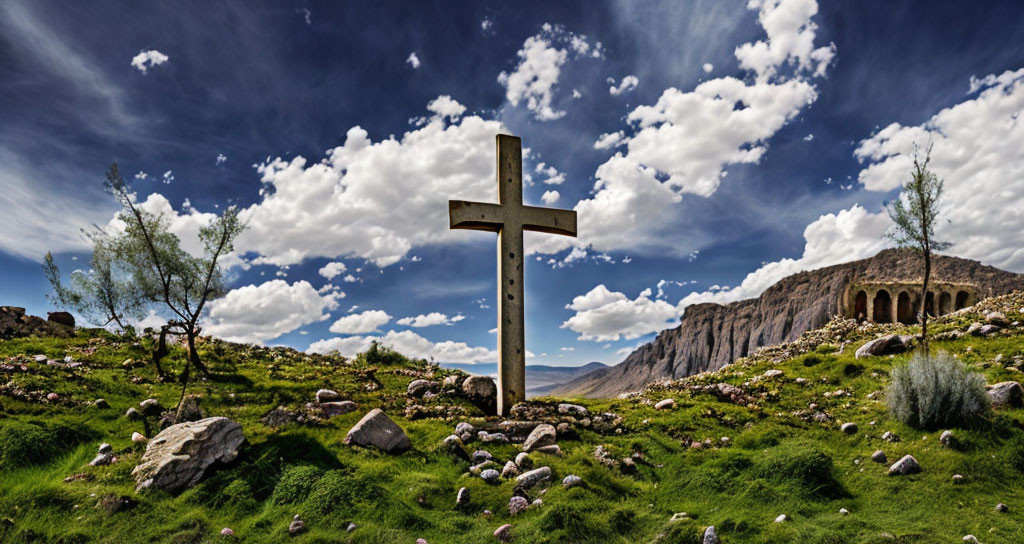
[(102, 294), (914, 215)]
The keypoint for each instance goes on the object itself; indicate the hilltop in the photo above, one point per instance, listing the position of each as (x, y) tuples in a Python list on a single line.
[(734, 448), (710, 335)]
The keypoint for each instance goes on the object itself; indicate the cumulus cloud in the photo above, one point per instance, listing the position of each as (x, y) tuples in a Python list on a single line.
[(409, 344), (221, 159), (540, 64), (332, 269), (708, 67), (374, 200), (413, 60), (431, 319), (603, 315), (790, 39), (446, 106), (551, 174), (258, 313), (627, 84), (610, 140), (363, 322), (148, 59), (549, 197)]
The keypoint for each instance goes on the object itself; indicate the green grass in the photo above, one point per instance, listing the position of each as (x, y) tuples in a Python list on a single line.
[(777, 460)]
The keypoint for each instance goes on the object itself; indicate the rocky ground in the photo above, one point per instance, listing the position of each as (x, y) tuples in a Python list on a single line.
[(791, 444)]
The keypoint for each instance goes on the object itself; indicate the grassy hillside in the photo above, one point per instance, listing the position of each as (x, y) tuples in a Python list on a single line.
[(784, 452)]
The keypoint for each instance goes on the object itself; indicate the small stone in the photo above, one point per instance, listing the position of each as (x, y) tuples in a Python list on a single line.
[(351, 527), (101, 404), (782, 518), (102, 459), (958, 478), (105, 448), (799, 381), (537, 503), (480, 467), (39, 358), (327, 395), (773, 373), (418, 388), (517, 504), (462, 497), (509, 470), (488, 438), (490, 475), (849, 428), (879, 456), (843, 511), (337, 408), (523, 461), (464, 428), (571, 480), (679, 516), (139, 438), (553, 449), (947, 439), (52, 397), (296, 527), (542, 435), (1002, 508), (480, 388), (504, 532), (710, 536), (886, 345), (725, 440), (573, 410), (906, 465), (151, 407), (889, 436), (376, 429), (421, 541), (533, 477), (132, 414), (226, 531), (971, 538), (451, 381), (1006, 394), (665, 404), (479, 456)]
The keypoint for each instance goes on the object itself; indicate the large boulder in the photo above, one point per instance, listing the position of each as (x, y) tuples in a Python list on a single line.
[(1006, 394), (377, 430), (542, 435), (886, 345), (480, 388), (61, 318), (179, 456), (418, 388)]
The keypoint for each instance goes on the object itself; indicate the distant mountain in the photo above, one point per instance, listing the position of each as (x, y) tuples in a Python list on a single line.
[(540, 379), (710, 336)]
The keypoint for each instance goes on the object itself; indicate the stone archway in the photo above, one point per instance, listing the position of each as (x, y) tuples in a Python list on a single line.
[(883, 307), (945, 303), (961, 300), (860, 306), (905, 309), (929, 304)]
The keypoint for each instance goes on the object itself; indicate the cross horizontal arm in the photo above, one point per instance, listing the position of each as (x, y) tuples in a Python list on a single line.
[(475, 215), (549, 220)]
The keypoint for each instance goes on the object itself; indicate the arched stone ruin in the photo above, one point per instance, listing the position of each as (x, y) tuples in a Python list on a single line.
[(900, 302)]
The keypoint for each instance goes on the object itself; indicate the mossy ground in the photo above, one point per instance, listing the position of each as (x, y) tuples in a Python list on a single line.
[(776, 462)]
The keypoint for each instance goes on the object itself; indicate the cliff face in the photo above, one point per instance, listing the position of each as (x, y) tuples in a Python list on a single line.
[(712, 335)]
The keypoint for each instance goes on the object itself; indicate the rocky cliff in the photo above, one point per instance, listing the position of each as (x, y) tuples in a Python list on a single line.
[(712, 335)]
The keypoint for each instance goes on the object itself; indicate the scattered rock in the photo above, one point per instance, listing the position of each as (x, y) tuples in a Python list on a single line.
[(453, 445), (773, 373), (542, 435), (665, 404), (102, 459), (849, 428), (997, 318), (886, 345), (227, 531), (337, 408), (465, 431), (503, 533), (879, 456), (889, 436), (376, 429), (948, 440), (151, 407), (710, 536), (523, 461), (132, 414), (105, 448), (517, 504), (509, 470), (327, 395), (112, 504), (297, 526), (957, 478), (906, 465), (1006, 394), (488, 438), (843, 512), (462, 497), (1002, 508), (573, 410), (782, 518), (490, 475), (553, 449), (179, 456), (417, 388), (533, 477), (571, 480), (679, 516), (52, 397), (480, 388), (479, 456), (101, 404), (971, 538)]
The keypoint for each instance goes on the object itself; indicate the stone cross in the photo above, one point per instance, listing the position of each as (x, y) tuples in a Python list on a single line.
[(509, 218)]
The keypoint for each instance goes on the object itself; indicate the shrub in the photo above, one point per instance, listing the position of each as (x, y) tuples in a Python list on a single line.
[(936, 392)]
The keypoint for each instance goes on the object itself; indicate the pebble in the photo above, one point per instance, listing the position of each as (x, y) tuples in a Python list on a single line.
[(947, 439), (479, 456), (523, 461), (849, 428), (297, 526), (139, 438), (844, 511), (571, 480), (879, 456), (504, 532), (888, 436), (1002, 508), (710, 536), (227, 531), (52, 397), (517, 504), (906, 465), (665, 404), (957, 478), (679, 516), (351, 527), (509, 470), (971, 538), (781, 518), (101, 403), (490, 475)]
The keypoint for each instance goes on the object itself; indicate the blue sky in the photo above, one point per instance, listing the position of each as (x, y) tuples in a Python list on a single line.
[(709, 147)]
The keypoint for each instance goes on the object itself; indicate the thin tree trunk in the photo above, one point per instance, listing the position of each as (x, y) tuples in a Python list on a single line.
[(924, 301), (184, 387), (193, 355), (161, 352)]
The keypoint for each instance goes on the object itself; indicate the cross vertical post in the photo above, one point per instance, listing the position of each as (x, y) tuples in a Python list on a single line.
[(509, 218)]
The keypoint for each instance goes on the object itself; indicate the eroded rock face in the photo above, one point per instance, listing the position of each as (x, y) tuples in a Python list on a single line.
[(377, 430), (179, 456), (712, 335)]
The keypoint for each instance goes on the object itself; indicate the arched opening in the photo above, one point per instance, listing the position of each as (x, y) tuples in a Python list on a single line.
[(961, 300), (883, 307), (860, 306), (945, 303), (929, 304), (904, 309)]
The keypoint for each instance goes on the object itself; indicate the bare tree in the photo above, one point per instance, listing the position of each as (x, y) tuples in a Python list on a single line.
[(915, 214), (168, 275)]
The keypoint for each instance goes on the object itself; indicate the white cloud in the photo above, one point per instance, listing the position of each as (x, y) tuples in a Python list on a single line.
[(549, 197), (260, 313), (148, 59), (409, 344), (809, 138), (708, 67), (349, 278), (373, 200), (540, 64), (360, 323), (332, 269), (413, 60), (610, 140), (446, 106), (431, 319), (221, 158), (603, 315), (486, 24), (790, 39), (627, 84)]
